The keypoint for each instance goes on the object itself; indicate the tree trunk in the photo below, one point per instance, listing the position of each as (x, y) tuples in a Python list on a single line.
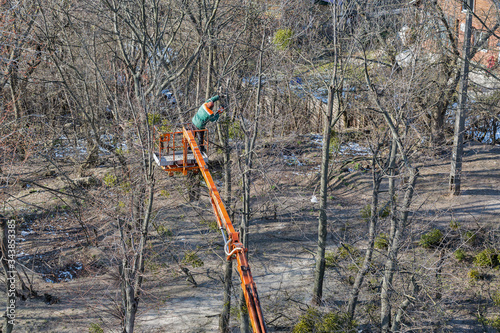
[(319, 271), (458, 137), (399, 226), (385, 305), (223, 130), (250, 137), (376, 179)]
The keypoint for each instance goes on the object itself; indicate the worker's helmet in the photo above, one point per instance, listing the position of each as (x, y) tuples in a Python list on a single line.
[(210, 104)]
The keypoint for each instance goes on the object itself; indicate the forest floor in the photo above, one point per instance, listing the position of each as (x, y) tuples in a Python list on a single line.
[(78, 284)]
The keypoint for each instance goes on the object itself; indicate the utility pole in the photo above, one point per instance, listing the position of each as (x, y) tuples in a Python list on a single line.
[(458, 137)]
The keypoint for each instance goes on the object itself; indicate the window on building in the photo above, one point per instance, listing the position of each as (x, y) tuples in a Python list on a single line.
[(467, 4)]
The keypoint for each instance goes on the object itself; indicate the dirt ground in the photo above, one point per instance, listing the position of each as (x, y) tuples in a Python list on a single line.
[(80, 284)]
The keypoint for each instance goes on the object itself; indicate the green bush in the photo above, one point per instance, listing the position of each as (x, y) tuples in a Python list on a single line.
[(381, 241), (366, 212), (496, 298), (316, 322), (110, 180), (282, 38), (460, 255), (486, 258), (153, 119), (95, 328), (431, 239), (474, 275), (347, 251), (334, 322), (307, 323), (334, 142), (454, 225), (385, 212), (494, 322), (330, 260), (164, 231), (470, 237), (192, 258)]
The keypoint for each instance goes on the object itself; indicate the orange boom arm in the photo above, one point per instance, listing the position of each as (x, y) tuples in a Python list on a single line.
[(232, 245)]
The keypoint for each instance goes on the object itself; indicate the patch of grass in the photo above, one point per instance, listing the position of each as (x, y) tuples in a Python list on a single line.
[(431, 239), (192, 258), (95, 328), (454, 225), (154, 118), (334, 143), (475, 275), (486, 258), (282, 38), (366, 212), (460, 255), (346, 251), (211, 225), (165, 193), (110, 180), (381, 242), (330, 259), (494, 322), (164, 231), (496, 298), (470, 237), (315, 321)]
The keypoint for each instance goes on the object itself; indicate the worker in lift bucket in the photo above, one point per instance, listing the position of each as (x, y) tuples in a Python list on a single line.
[(204, 115)]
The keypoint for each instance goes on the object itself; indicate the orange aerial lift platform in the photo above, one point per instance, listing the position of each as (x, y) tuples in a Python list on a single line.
[(179, 152)]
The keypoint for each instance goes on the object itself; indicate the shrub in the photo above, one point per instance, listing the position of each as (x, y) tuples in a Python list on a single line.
[(496, 298), (381, 241), (308, 321), (334, 322), (366, 212), (454, 225), (470, 237), (385, 212), (474, 275), (153, 119), (346, 251), (164, 231), (494, 322), (282, 38), (330, 260), (459, 255), (486, 258), (110, 180), (334, 143), (315, 321), (431, 239), (192, 258), (95, 328)]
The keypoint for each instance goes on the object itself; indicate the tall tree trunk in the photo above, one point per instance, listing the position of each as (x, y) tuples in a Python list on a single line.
[(399, 224), (319, 271), (385, 305), (250, 138), (132, 268), (458, 138), (223, 130), (376, 179)]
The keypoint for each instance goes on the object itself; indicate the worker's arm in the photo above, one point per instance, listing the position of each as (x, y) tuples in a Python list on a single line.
[(213, 99), (214, 117)]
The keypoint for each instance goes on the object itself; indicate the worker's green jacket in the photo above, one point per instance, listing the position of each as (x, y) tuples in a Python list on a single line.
[(205, 114)]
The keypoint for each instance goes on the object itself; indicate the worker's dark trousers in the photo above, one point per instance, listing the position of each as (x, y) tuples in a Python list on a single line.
[(200, 136)]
